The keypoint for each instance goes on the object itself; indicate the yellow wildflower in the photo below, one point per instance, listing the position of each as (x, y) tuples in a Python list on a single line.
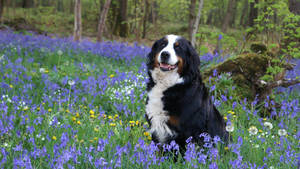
[(137, 122), (225, 117), (260, 131), (96, 129), (92, 112), (50, 110), (131, 123), (73, 118), (38, 108), (11, 86), (110, 117), (149, 138), (68, 111), (53, 138), (112, 124), (95, 138), (78, 122), (92, 116), (146, 134), (226, 148), (121, 122), (264, 119), (77, 114), (112, 75), (231, 112)]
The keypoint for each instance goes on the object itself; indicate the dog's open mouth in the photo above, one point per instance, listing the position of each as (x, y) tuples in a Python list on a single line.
[(167, 67)]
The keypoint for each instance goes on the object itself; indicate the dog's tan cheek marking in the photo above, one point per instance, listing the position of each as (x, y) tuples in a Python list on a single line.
[(156, 64), (173, 120), (180, 64)]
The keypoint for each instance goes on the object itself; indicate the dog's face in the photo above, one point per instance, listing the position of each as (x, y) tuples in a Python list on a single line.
[(173, 54)]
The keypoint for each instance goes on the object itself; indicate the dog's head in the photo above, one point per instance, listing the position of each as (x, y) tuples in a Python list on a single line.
[(173, 53)]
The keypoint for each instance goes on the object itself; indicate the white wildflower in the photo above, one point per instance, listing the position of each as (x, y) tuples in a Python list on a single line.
[(256, 146), (42, 70), (268, 125), (59, 52), (282, 132), (71, 82), (253, 130), (229, 128)]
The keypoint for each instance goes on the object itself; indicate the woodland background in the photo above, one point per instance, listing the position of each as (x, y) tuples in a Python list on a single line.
[(147, 20)]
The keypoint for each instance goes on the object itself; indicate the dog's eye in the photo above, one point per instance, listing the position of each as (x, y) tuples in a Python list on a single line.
[(163, 44)]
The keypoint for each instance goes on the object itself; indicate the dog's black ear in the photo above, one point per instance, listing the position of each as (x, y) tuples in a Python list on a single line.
[(194, 55), (194, 60), (151, 56)]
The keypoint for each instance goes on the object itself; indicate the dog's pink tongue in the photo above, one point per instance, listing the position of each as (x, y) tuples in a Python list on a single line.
[(163, 65)]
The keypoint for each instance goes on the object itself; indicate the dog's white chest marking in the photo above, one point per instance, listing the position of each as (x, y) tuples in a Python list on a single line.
[(154, 107)]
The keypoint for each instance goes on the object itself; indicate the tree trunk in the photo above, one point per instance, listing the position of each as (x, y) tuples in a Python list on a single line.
[(71, 6), (244, 13), (228, 16), (232, 19), (1, 10), (27, 3), (60, 6), (102, 19), (253, 13), (153, 12), (77, 21), (294, 6), (123, 18), (195, 27), (209, 17), (192, 16), (146, 14)]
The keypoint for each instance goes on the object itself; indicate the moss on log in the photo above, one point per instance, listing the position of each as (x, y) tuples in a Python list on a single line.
[(246, 71)]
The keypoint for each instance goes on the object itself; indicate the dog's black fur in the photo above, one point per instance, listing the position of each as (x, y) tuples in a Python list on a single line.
[(188, 102)]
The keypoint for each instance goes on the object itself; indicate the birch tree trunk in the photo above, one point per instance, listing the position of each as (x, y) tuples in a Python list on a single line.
[(102, 19), (196, 25), (77, 21)]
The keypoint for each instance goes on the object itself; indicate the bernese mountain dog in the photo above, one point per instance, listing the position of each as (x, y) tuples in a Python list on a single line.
[(178, 104)]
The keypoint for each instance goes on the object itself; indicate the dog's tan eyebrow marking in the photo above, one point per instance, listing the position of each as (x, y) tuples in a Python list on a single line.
[(176, 44)]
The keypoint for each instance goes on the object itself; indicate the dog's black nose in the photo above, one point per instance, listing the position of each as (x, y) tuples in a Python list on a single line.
[(165, 56)]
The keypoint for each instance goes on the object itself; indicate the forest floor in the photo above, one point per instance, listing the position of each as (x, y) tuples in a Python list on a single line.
[(66, 104)]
